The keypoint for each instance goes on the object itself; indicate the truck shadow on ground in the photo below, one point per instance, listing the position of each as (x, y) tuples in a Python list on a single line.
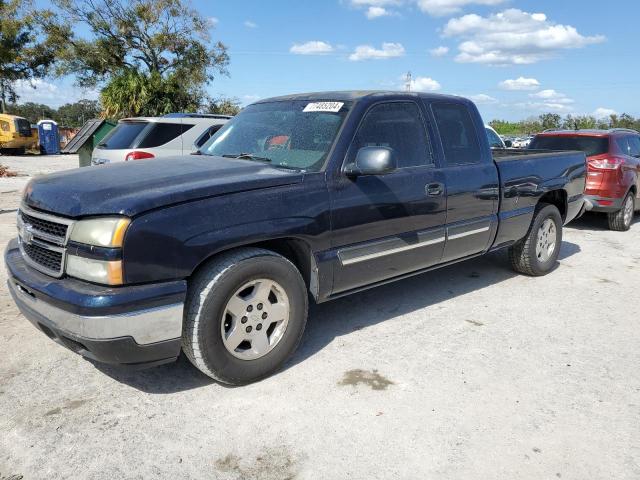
[(340, 317)]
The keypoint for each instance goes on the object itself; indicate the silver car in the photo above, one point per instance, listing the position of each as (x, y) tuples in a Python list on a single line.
[(152, 137)]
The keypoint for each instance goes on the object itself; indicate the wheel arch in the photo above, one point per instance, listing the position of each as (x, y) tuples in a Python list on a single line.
[(557, 197), (296, 250)]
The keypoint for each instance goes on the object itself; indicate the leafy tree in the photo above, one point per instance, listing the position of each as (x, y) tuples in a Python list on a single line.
[(76, 114), (625, 121), (132, 93), (550, 120), (152, 56), (223, 106), (26, 51), (32, 111)]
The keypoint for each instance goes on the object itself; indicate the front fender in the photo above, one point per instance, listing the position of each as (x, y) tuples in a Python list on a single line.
[(171, 242)]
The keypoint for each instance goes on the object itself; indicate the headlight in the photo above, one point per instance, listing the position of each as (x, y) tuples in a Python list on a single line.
[(98, 271), (100, 232), (105, 232)]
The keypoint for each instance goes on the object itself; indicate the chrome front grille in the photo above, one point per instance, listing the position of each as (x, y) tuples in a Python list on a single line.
[(56, 232), (42, 238)]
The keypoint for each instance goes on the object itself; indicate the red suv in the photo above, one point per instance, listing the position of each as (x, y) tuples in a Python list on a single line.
[(613, 159)]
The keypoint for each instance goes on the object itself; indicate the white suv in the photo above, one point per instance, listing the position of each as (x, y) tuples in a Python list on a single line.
[(152, 137)]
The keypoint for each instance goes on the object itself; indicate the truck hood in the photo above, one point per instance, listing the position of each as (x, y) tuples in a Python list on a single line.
[(132, 188)]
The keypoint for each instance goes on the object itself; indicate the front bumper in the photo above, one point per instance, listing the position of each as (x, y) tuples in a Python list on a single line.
[(135, 325), (594, 203)]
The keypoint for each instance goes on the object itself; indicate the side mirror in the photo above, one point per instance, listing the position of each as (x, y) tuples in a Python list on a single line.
[(508, 143), (373, 161)]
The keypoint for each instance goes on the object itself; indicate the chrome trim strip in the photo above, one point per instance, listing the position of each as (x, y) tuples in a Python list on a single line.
[(466, 234), (145, 326), (390, 251)]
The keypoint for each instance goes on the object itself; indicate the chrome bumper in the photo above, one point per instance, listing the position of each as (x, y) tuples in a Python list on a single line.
[(144, 326)]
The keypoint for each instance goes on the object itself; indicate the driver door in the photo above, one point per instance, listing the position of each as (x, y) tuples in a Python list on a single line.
[(387, 225)]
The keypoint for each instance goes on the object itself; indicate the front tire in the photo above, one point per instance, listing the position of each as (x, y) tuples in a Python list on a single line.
[(537, 253), (620, 221), (245, 315)]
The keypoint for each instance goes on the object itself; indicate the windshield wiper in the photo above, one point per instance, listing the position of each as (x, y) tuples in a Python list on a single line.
[(247, 156)]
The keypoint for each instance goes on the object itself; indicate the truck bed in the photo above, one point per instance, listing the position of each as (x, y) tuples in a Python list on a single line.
[(526, 175), (510, 154)]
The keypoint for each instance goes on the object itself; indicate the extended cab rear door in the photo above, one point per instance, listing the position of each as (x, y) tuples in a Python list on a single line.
[(471, 178), (384, 226)]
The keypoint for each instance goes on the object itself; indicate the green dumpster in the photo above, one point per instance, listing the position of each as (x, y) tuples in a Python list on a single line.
[(88, 138)]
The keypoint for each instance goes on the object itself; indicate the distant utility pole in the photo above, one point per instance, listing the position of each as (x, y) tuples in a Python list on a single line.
[(407, 84)]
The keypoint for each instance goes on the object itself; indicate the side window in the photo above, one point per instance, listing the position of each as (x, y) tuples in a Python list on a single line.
[(634, 146), (398, 126), (494, 140), (623, 145), (162, 133), (457, 132), (207, 135)]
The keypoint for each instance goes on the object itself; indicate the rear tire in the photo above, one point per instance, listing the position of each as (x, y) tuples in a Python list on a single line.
[(537, 253), (621, 220), (224, 334)]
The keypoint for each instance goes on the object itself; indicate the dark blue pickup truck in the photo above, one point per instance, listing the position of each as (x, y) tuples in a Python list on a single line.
[(320, 195)]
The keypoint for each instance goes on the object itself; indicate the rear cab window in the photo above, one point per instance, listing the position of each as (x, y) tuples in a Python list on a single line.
[(590, 145), (457, 133)]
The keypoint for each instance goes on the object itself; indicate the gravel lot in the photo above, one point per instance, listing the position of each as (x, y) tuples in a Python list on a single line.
[(469, 372)]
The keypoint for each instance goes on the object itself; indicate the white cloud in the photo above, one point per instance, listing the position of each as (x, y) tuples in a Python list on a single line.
[(439, 51), (212, 21), (314, 47), (438, 8), (551, 96), (250, 24), (376, 8), (602, 112), (41, 91), (520, 83), (375, 3), (422, 84), (377, 12), (545, 107), (513, 37), (434, 8), (367, 52), (483, 99)]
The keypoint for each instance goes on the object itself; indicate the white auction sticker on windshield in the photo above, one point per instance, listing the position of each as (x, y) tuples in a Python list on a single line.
[(323, 107)]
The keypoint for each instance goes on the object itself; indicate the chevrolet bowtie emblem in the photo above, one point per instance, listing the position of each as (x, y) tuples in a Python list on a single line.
[(25, 233)]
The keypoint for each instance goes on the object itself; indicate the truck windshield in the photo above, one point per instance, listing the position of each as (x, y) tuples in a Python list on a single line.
[(589, 145), (290, 134)]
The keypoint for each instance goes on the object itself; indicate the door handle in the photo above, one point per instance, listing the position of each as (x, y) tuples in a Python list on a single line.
[(434, 189)]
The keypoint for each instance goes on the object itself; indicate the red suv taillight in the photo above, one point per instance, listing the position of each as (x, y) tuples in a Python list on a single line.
[(138, 156), (605, 163)]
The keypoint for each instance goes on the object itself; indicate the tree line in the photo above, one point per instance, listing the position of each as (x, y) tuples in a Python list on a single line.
[(146, 57), (68, 115), (548, 121)]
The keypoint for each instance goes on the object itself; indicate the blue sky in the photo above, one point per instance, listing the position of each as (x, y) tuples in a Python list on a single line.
[(516, 58)]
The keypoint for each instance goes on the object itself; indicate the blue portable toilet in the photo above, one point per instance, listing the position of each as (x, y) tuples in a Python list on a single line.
[(48, 137)]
